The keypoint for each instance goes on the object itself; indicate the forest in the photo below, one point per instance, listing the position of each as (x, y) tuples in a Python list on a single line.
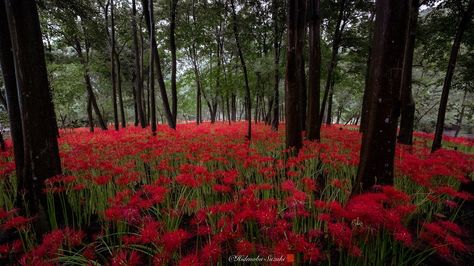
[(236, 132)]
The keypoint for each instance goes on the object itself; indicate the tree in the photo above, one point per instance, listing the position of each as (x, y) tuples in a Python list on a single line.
[(112, 59), (407, 120), (161, 83), (153, 56), (138, 76), (248, 99), (11, 91), (463, 24), (340, 25), (174, 90), (41, 154), (296, 26), (378, 143), (313, 126), (277, 35)]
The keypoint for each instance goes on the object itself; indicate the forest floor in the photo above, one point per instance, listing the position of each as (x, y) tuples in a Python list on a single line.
[(204, 195)]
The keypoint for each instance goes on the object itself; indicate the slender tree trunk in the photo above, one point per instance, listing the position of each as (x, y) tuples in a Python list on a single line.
[(90, 118), (244, 70), (461, 114), (119, 90), (112, 63), (276, 71), (233, 103), (87, 79), (159, 72), (3, 147), (335, 50), (41, 152), (407, 121), (313, 128), (174, 90), (367, 94), (11, 93), (303, 98), (466, 18), (378, 144), (135, 100), (153, 55), (296, 26), (329, 113), (138, 71)]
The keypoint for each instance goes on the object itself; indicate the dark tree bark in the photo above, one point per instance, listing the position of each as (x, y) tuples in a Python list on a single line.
[(138, 72), (197, 76), (296, 26), (303, 98), (367, 94), (466, 18), (378, 144), (313, 128), (159, 72), (233, 105), (112, 61), (41, 152), (123, 120), (136, 120), (329, 112), (3, 146), (90, 118), (84, 59), (244, 70), (276, 71), (174, 90), (461, 114), (11, 93), (153, 55), (340, 24), (407, 121)]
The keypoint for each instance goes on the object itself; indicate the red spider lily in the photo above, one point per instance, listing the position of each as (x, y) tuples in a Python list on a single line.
[(126, 258), (174, 239), (19, 222)]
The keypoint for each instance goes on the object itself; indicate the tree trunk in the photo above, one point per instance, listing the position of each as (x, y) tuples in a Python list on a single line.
[(11, 93), (112, 63), (329, 113), (174, 90), (153, 55), (407, 121), (233, 104), (41, 152), (90, 118), (119, 90), (193, 54), (461, 114), (159, 72), (276, 71), (303, 98), (466, 18), (136, 121), (340, 24), (378, 144), (313, 128), (3, 147), (138, 72), (296, 26), (87, 79), (367, 94), (244, 70)]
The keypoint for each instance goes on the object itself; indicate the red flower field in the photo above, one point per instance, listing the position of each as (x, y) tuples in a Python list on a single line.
[(202, 195)]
